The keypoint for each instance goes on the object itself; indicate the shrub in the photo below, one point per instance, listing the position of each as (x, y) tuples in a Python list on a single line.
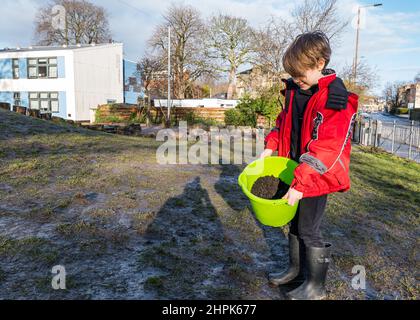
[(233, 117), (245, 113), (134, 118), (192, 119)]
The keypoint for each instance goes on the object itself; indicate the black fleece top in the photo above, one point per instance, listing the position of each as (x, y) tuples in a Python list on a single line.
[(300, 102)]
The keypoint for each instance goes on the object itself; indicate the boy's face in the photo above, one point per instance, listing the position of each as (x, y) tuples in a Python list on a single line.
[(311, 76), (309, 79)]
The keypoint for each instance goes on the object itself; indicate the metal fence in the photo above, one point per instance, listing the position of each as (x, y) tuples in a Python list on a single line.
[(398, 138)]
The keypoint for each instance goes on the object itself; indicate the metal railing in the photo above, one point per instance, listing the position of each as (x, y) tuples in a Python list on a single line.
[(398, 138)]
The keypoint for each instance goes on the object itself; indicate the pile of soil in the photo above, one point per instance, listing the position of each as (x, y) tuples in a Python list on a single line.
[(269, 187)]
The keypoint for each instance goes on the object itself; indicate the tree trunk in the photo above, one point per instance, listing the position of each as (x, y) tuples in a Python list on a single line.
[(180, 88), (147, 106), (232, 84)]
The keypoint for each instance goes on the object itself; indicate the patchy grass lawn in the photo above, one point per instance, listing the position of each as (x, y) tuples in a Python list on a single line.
[(125, 227)]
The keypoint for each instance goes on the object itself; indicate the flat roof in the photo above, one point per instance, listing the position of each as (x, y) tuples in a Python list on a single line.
[(53, 48)]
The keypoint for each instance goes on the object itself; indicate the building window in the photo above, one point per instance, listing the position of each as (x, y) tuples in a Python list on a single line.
[(15, 66), (16, 99), (132, 81), (45, 102), (41, 68)]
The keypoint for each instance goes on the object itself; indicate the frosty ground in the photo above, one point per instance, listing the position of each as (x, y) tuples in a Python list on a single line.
[(125, 227)]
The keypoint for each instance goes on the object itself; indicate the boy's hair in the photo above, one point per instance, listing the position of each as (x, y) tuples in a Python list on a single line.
[(305, 52)]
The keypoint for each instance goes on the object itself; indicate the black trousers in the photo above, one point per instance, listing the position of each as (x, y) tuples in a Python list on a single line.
[(307, 220)]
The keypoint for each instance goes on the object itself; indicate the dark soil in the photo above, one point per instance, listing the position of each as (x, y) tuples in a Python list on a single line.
[(269, 187)]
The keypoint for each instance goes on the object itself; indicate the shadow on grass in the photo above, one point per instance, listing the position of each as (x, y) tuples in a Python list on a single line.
[(187, 242), (189, 215), (228, 188)]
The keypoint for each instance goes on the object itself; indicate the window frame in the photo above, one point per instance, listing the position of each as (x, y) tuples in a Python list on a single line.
[(48, 99), (15, 67), (17, 99), (47, 65)]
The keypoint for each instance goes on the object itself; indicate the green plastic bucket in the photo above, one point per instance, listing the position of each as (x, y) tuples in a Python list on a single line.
[(274, 213)]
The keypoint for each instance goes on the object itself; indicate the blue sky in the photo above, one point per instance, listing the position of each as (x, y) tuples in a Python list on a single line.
[(389, 40)]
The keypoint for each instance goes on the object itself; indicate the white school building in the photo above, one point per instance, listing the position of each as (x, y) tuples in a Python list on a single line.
[(67, 81)]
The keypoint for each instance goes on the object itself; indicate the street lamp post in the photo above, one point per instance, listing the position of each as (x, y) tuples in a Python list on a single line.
[(357, 38), (168, 124)]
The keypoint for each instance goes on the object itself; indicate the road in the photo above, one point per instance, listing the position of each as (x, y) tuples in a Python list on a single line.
[(385, 118)]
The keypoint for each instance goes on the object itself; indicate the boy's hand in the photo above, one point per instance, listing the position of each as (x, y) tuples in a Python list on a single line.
[(293, 196), (266, 153)]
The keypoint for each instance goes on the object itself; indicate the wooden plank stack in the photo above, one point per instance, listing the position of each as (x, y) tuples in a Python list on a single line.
[(125, 112)]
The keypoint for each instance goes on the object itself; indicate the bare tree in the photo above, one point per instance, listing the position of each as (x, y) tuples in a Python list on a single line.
[(417, 78), (85, 23), (367, 79), (149, 69), (320, 15), (392, 96), (270, 42), (229, 42), (187, 46)]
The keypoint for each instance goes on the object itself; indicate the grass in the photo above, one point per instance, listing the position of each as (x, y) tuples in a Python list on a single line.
[(35, 249), (154, 283), (2, 275), (101, 205)]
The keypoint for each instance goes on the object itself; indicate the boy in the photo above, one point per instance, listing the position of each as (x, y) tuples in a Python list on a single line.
[(314, 130)]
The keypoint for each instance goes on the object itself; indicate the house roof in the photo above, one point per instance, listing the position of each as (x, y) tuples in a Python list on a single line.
[(248, 71), (53, 48)]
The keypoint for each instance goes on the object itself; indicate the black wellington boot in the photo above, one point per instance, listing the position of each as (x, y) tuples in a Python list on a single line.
[(295, 272), (317, 261)]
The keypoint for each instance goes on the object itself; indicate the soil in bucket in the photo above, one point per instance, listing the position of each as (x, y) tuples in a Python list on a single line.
[(269, 187)]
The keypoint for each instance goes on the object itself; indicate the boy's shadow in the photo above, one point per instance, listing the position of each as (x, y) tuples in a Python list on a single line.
[(187, 217), (276, 238), (187, 241)]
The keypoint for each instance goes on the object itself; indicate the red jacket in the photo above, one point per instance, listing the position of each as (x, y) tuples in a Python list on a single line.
[(326, 145)]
